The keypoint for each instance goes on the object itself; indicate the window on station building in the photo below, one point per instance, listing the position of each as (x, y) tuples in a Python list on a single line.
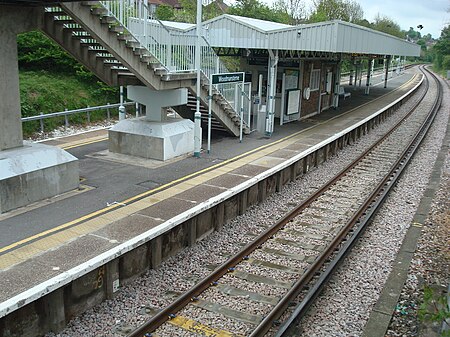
[(315, 80)]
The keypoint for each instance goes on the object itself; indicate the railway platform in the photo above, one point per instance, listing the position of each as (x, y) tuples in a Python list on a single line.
[(144, 209)]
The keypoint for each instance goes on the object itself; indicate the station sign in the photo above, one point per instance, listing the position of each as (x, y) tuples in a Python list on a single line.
[(227, 78)]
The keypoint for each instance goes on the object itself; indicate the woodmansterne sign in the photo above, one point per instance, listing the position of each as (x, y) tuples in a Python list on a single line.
[(227, 78)]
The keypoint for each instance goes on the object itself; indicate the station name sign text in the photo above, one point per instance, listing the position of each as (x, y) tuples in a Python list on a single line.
[(227, 78)]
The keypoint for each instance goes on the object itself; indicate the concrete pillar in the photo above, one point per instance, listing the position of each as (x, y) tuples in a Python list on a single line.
[(156, 252), (112, 278), (13, 20), (28, 172), (53, 310)]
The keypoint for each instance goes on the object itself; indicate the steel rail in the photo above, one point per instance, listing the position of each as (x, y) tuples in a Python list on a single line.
[(167, 313), (360, 220)]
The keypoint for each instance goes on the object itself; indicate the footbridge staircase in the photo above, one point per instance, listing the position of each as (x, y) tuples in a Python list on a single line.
[(122, 44)]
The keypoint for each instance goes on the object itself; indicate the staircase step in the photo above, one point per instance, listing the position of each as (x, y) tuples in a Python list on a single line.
[(90, 3), (112, 62), (108, 19), (75, 29), (54, 10), (104, 56), (79, 36), (100, 11), (63, 21), (125, 37), (117, 28), (133, 44)]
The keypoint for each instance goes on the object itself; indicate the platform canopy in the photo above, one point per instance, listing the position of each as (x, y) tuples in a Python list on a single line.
[(231, 31)]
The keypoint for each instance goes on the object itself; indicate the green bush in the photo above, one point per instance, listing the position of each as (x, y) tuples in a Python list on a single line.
[(46, 92)]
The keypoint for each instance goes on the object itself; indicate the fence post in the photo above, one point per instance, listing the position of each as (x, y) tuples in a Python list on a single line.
[(66, 120), (89, 116), (42, 122), (108, 113)]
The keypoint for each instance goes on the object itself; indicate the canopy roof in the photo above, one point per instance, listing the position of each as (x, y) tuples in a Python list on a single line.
[(231, 31)]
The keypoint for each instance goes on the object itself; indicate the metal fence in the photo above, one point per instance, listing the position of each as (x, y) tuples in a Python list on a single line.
[(66, 113)]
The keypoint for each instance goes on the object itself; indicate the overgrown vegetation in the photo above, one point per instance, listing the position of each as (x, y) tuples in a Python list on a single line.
[(435, 308), (51, 81)]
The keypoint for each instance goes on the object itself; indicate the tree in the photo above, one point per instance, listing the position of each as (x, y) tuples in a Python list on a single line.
[(295, 9), (165, 12), (385, 24), (441, 50), (257, 10), (412, 35), (345, 10)]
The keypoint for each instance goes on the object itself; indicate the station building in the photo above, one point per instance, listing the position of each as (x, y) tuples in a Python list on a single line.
[(295, 71)]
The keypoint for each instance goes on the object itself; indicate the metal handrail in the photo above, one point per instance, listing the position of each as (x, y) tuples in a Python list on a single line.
[(71, 112)]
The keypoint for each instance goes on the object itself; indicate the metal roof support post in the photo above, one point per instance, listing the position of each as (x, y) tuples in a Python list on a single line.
[(271, 84), (352, 69), (337, 84), (360, 74), (386, 71), (369, 71), (197, 115)]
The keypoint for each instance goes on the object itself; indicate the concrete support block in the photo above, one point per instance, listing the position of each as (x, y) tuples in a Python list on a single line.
[(154, 140), (252, 195), (294, 169), (112, 278), (173, 241), (271, 186), (219, 216), (53, 311), (155, 100), (231, 208), (243, 202), (262, 190), (133, 264), (204, 224), (22, 322), (85, 292), (156, 252), (278, 182), (305, 164), (35, 172)]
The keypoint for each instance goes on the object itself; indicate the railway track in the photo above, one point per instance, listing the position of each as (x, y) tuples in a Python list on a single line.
[(286, 266)]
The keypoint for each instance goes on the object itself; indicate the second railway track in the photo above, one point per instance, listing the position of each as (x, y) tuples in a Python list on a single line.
[(295, 255)]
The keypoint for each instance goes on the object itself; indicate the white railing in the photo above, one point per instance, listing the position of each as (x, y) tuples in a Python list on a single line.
[(175, 51), (66, 113)]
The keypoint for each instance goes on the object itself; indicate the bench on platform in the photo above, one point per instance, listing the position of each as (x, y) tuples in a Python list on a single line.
[(343, 93)]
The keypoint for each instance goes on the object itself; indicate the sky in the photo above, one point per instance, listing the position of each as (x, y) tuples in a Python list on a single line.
[(433, 15)]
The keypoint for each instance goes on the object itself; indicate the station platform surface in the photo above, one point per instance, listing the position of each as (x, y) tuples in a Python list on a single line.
[(121, 197)]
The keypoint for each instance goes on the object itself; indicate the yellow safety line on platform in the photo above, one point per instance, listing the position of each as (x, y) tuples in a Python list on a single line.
[(201, 329), (264, 149), (78, 144)]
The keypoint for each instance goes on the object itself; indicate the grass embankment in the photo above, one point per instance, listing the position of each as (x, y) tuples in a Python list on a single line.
[(46, 92)]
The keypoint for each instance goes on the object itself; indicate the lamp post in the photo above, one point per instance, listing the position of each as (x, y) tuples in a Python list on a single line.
[(197, 115)]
